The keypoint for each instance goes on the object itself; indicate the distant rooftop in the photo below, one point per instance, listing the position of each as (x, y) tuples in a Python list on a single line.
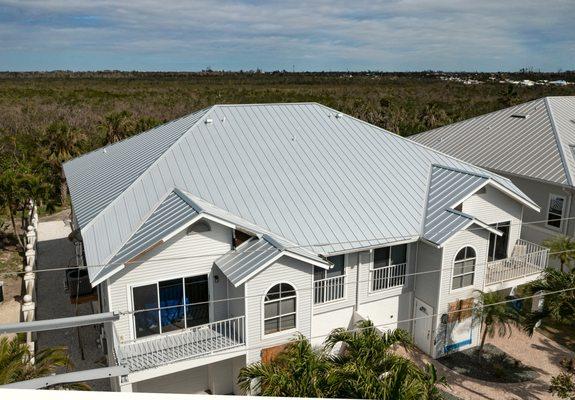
[(535, 139)]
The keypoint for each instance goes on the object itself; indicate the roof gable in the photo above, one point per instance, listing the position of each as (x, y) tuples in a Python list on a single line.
[(447, 187)]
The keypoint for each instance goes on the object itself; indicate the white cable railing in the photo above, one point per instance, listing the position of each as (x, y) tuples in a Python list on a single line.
[(329, 289), (527, 259), (388, 277), (198, 341)]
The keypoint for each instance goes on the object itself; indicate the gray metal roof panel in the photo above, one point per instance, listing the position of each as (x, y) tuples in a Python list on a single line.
[(303, 172), (172, 212), (529, 139), (97, 178), (247, 259), (446, 188)]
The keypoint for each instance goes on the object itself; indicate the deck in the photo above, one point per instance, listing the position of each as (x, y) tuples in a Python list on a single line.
[(528, 260), (196, 342)]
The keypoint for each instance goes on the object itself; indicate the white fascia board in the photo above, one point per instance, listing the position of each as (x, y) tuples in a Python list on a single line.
[(287, 253), (467, 196), (376, 246), (520, 199)]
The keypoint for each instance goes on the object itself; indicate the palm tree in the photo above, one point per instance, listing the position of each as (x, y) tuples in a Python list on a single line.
[(366, 368), (298, 371), (559, 301), (117, 126), (17, 185), (61, 143), (18, 364), (561, 248), (495, 315), (369, 368)]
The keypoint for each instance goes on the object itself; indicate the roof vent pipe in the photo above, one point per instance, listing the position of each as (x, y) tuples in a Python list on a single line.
[(338, 115)]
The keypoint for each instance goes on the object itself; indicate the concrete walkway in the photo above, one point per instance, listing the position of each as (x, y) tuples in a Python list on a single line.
[(56, 251), (538, 352)]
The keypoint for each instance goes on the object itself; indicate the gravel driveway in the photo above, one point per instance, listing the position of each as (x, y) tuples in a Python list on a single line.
[(55, 250), (538, 352)]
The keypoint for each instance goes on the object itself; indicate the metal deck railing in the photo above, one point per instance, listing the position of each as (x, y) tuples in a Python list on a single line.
[(195, 342)]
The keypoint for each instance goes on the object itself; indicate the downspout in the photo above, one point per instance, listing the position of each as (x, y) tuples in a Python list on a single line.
[(357, 279), (414, 277)]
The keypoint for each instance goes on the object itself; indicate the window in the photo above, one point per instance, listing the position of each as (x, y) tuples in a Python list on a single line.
[(555, 211), (463, 268), (329, 285), (338, 268), (279, 308), (498, 244), (389, 267), (170, 305)]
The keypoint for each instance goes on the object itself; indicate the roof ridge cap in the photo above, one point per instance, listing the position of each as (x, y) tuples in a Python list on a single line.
[(558, 140), (161, 156), (455, 169)]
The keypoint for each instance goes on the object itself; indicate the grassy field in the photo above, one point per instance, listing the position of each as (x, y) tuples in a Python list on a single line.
[(108, 106), (403, 103)]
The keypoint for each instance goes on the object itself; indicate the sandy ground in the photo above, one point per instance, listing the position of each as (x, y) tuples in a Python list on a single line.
[(538, 352), (10, 309), (55, 250)]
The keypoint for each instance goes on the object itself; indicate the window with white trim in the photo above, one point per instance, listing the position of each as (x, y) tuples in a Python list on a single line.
[(464, 268), (329, 284), (279, 309), (389, 267), (555, 211)]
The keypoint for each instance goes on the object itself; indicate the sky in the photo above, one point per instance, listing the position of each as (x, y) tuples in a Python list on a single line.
[(323, 35)]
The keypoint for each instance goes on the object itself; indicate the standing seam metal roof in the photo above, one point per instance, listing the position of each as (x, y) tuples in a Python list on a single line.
[(448, 187), (533, 139), (302, 172)]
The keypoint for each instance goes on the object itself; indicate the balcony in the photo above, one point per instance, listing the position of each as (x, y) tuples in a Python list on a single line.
[(527, 261), (195, 342), (388, 277), (328, 290)]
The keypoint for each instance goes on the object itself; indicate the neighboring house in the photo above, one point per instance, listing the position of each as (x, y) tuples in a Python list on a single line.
[(533, 144), (220, 235)]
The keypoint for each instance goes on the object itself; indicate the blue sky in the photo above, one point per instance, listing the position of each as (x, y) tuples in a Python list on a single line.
[(170, 35)]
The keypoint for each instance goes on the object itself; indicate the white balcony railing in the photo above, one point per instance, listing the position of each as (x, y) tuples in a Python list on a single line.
[(388, 277), (198, 341), (527, 259), (329, 289)]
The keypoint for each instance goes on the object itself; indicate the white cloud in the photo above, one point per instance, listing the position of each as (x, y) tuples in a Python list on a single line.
[(399, 34)]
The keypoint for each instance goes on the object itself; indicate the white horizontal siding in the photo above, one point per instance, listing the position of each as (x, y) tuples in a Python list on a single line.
[(479, 240), (285, 270), (495, 206), (183, 255)]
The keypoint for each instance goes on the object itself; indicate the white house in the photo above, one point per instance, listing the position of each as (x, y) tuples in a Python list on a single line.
[(533, 144), (220, 235)]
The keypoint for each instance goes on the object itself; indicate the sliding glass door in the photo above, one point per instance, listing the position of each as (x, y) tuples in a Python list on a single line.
[(170, 305), (498, 244)]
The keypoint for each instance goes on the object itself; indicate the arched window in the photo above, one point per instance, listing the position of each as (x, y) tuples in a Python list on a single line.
[(279, 308), (463, 268)]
